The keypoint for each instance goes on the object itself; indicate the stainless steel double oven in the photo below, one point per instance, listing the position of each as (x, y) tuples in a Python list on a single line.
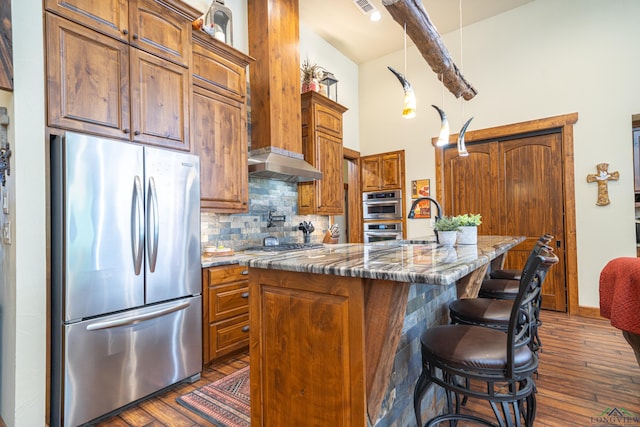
[(382, 215)]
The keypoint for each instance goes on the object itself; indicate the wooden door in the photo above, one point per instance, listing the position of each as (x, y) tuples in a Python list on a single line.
[(160, 107), (370, 173), (531, 187), (110, 17), (217, 127), (516, 185), (329, 161), (87, 79), (391, 170), (160, 31), (468, 185)]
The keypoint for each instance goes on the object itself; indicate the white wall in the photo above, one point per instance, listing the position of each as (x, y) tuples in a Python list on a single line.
[(346, 71), (545, 58), (24, 295)]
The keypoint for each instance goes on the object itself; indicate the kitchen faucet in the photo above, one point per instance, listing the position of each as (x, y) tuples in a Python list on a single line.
[(412, 213)]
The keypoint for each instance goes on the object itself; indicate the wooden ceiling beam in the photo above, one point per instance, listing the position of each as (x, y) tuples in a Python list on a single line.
[(428, 41)]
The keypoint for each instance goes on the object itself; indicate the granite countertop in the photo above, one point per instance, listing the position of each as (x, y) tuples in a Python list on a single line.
[(403, 261)]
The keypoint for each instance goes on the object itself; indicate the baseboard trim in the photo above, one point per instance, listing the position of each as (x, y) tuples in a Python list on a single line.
[(591, 312)]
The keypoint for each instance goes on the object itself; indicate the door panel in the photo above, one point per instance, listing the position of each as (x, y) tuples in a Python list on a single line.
[(531, 186), (469, 185), (101, 226), (172, 193), (517, 187)]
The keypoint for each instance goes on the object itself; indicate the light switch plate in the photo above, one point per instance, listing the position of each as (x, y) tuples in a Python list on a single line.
[(5, 200), (6, 232)]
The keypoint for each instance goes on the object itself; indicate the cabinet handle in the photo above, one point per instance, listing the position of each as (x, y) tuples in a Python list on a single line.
[(245, 328), (135, 37), (125, 130), (244, 295), (125, 31), (136, 132), (245, 272)]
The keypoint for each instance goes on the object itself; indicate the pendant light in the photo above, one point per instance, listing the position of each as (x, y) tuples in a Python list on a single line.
[(443, 137), (409, 103), (462, 148)]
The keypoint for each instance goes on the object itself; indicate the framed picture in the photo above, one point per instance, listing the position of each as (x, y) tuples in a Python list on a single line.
[(421, 188)]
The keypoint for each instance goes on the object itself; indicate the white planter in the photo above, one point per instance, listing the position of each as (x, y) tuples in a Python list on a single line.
[(447, 237), (468, 235)]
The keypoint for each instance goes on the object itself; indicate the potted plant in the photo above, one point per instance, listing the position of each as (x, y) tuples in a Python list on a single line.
[(468, 232), (310, 75), (446, 229)]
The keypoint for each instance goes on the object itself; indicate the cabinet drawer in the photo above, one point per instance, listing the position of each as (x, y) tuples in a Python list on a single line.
[(226, 274), (228, 300), (214, 72), (228, 335)]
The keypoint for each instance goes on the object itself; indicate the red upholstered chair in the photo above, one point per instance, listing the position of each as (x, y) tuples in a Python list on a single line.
[(479, 362), (620, 298)]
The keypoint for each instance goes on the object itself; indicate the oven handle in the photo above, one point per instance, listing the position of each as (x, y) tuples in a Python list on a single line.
[(374, 233), (381, 202)]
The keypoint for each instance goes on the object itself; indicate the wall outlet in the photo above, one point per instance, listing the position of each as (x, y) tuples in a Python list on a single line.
[(6, 232)]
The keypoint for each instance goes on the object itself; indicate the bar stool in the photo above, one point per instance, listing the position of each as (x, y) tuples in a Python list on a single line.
[(494, 313), (479, 362), (503, 284), (514, 274)]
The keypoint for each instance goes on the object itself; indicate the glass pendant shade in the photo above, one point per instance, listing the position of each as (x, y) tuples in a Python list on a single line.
[(409, 108), (443, 137)]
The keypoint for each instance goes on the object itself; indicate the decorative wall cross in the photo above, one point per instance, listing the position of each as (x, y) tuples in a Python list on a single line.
[(602, 178)]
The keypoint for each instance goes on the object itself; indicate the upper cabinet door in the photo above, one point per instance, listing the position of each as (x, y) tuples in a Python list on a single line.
[(161, 114), (110, 17), (87, 80), (159, 30)]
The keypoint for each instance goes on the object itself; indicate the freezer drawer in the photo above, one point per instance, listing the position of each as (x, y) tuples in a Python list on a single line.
[(115, 360)]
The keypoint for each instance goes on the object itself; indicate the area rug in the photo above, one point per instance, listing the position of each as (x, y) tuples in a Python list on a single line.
[(224, 402)]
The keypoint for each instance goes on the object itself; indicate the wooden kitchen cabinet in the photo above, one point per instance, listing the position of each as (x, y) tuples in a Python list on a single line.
[(219, 124), (322, 148), (384, 171), (225, 309), (123, 73)]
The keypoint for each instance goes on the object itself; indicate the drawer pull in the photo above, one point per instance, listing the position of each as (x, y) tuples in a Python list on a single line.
[(244, 295), (245, 272), (245, 328)]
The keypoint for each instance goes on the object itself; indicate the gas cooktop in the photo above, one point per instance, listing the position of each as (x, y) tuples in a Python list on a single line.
[(285, 247)]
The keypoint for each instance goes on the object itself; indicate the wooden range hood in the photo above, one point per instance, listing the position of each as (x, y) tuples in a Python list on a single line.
[(276, 127)]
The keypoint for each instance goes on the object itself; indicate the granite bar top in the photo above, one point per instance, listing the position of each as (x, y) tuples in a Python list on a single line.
[(395, 260)]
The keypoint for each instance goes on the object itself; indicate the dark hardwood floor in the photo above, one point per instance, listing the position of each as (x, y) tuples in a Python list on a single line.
[(586, 368)]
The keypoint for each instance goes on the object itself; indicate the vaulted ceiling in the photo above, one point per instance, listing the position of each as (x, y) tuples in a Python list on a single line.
[(342, 23)]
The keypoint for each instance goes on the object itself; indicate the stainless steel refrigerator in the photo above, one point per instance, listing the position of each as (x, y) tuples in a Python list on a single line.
[(125, 274)]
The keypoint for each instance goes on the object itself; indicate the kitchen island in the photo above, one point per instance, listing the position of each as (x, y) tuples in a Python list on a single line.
[(334, 338)]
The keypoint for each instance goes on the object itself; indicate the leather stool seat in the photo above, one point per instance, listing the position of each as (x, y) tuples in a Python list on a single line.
[(474, 348), (499, 289), (493, 313), (510, 274)]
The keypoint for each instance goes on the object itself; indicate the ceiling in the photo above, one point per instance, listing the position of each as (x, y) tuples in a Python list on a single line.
[(342, 24)]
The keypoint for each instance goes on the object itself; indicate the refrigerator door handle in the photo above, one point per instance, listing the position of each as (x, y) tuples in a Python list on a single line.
[(152, 225), (137, 226), (137, 319)]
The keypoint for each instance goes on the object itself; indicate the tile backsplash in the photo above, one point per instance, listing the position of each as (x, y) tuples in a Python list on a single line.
[(238, 231)]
